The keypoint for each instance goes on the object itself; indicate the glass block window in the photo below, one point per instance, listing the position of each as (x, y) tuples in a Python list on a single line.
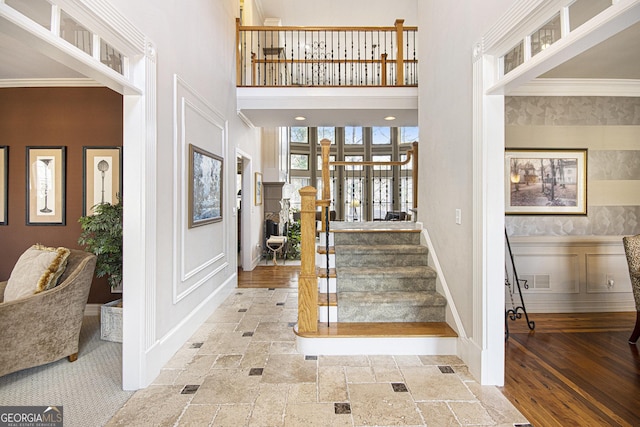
[(513, 58), (353, 135), (545, 36), (76, 34), (381, 135), (110, 57), (300, 162), (299, 135)]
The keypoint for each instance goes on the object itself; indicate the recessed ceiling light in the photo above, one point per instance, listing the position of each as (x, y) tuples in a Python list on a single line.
[(300, 118), (388, 118)]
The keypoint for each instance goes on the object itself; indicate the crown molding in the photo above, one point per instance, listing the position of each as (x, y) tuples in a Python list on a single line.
[(61, 82), (578, 87)]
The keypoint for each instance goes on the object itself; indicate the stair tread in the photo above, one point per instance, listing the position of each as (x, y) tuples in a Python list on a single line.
[(322, 299), (321, 272), (411, 298), (388, 271), (377, 329), (358, 249)]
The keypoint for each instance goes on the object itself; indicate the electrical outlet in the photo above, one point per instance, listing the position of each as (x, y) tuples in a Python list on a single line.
[(458, 216), (610, 281)]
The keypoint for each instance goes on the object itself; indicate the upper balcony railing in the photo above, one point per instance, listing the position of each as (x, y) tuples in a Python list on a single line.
[(327, 56)]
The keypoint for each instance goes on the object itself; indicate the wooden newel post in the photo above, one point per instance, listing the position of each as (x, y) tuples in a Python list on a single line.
[(308, 281)]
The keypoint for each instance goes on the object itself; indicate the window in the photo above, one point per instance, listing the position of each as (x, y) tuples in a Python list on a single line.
[(381, 135), (358, 192), (353, 135), (300, 162), (408, 135), (327, 133), (299, 135)]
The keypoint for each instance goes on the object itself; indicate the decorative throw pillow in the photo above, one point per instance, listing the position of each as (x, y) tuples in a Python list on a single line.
[(38, 269)]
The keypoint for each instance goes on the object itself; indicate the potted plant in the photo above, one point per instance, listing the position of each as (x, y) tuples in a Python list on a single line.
[(102, 235)]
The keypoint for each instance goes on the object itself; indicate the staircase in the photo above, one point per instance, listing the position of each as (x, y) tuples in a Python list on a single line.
[(383, 277), (380, 295)]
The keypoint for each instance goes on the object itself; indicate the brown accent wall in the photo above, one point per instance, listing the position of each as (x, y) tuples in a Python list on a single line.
[(70, 117)]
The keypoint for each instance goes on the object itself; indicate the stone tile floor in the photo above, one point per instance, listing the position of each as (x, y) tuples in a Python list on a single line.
[(241, 368)]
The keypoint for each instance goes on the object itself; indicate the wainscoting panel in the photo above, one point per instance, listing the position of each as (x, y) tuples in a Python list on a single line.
[(572, 274), (200, 253), (607, 273)]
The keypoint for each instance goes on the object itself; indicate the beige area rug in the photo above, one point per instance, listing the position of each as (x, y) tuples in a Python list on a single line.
[(89, 389)]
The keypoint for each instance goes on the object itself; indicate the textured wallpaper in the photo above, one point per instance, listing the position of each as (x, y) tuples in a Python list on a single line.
[(572, 111), (602, 165)]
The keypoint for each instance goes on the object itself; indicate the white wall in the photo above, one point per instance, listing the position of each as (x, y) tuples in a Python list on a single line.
[(446, 150), (340, 12), (195, 51)]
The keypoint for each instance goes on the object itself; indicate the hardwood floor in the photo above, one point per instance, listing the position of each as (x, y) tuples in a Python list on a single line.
[(574, 369), (269, 276)]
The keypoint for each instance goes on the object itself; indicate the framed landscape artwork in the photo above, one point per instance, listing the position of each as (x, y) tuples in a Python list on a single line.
[(45, 185), (546, 182), (205, 187), (102, 177)]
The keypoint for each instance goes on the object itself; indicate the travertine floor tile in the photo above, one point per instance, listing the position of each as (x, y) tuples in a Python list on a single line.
[(198, 415), (314, 415), (232, 415), (332, 384), (471, 413), (268, 409), (152, 406), (228, 386), (437, 414), (378, 404), (288, 389), (289, 368), (428, 383)]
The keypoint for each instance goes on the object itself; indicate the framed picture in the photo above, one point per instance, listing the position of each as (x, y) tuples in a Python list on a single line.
[(4, 184), (46, 185), (258, 189), (546, 182), (102, 177), (205, 187)]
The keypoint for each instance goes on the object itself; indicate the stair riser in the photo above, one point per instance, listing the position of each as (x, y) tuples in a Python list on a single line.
[(382, 284), (390, 313), (377, 259), (373, 239)]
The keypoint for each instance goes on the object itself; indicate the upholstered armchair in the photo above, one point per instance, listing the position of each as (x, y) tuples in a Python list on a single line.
[(632, 250), (44, 327)]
